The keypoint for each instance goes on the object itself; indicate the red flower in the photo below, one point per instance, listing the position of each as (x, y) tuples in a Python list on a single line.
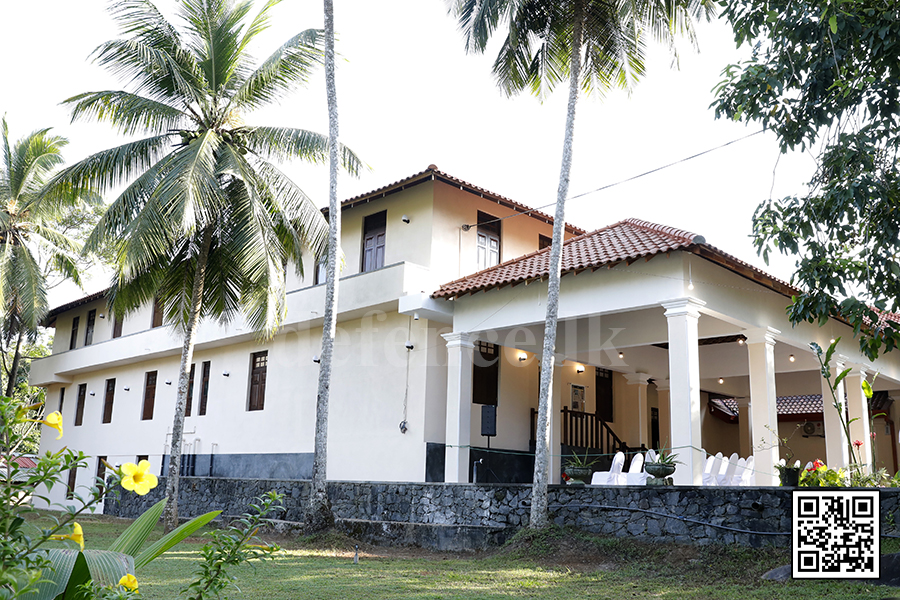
[(817, 464), (857, 443), (565, 477), (873, 435)]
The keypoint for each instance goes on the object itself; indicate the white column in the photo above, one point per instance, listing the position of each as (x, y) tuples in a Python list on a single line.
[(836, 455), (459, 406), (763, 407), (643, 410), (858, 408), (683, 316), (744, 427)]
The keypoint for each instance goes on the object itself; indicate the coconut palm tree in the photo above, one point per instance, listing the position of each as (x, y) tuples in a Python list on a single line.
[(32, 244), (319, 514), (598, 45), (207, 223)]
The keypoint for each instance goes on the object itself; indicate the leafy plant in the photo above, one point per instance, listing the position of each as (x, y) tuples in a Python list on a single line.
[(819, 475), (579, 462), (665, 456)]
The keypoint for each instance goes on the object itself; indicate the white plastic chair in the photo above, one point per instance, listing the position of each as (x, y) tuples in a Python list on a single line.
[(726, 474), (610, 477), (636, 474), (650, 456), (711, 473), (739, 471), (749, 475)]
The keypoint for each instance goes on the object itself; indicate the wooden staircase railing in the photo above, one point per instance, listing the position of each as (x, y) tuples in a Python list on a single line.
[(585, 430)]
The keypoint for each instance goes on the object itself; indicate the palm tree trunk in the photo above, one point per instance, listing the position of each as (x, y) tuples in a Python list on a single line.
[(170, 515), (14, 369), (320, 516), (539, 517)]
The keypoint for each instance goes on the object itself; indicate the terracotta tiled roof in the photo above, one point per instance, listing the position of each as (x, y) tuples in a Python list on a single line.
[(432, 173), (626, 240), (787, 405)]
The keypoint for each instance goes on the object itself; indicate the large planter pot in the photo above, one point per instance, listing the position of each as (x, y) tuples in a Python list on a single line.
[(790, 476), (578, 475), (659, 470)]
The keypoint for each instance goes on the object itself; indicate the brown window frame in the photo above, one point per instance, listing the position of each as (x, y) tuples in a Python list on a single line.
[(70, 483), (89, 327), (259, 366), (79, 405), (486, 373), (108, 398), (204, 388), (374, 229), (150, 382), (62, 399), (101, 474), (488, 230), (118, 323), (190, 391), (544, 241), (73, 339), (141, 457), (157, 319)]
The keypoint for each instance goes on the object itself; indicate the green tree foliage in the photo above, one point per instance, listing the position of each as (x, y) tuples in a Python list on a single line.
[(207, 222), (825, 75)]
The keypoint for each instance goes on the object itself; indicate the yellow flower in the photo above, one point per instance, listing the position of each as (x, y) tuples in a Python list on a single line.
[(137, 479), (53, 420), (129, 581), (76, 536)]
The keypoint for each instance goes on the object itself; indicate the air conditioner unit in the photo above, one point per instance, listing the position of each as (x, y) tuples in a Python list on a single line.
[(814, 428)]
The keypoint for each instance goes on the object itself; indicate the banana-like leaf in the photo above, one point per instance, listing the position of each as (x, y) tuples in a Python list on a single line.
[(133, 538), (107, 568), (174, 537), (81, 574), (54, 578)]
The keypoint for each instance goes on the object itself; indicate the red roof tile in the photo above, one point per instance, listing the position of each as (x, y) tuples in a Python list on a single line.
[(623, 241), (787, 405)]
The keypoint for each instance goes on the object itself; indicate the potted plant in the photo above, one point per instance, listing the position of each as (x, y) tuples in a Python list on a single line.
[(578, 470), (662, 468), (788, 473)]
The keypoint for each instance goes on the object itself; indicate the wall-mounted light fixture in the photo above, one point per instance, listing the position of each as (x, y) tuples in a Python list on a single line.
[(791, 358), (832, 341), (102, 316), (93, 393), (621, 355), (405, 219), (579, 369), (410, 345), (522, 357), (415, 316), (225, 373), (316, 359), (126, 388), (168, 382), (741, 341), (721, 381)]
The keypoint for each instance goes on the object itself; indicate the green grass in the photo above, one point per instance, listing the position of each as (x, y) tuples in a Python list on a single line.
[(557, 564)]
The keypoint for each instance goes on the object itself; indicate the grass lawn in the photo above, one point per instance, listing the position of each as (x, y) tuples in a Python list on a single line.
[(557, 564)]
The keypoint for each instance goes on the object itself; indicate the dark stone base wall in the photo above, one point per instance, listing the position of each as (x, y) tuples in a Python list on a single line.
[(649, 513), (263, 466)]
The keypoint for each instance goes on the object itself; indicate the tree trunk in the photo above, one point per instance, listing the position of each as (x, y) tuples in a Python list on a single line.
[(14, 369), (320, 516), (170, 514), (539, 517)]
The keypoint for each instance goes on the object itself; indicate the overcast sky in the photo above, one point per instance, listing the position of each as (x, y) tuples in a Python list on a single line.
[(410, 96)]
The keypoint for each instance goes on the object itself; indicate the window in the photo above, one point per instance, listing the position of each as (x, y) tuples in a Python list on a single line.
[(258, 363), (204, 388), (485, 373), (73, 340), (101, 474), (149, 395), (157, 314), (70, 485), (374, 227), (544, 242), (89, 330), (141, 457), (488, 241), (79, 407), (62, 398), (190, 393), (321, 271), (117, 327), (108, 400), (578, 398), (604, 402)]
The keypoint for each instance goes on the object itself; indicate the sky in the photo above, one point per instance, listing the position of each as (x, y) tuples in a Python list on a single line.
[(409, 96)]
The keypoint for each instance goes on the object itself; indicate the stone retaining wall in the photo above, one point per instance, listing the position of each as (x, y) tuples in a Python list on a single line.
[(683, 514)]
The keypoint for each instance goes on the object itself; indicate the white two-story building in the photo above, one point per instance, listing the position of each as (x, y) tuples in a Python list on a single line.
[(663, 339)]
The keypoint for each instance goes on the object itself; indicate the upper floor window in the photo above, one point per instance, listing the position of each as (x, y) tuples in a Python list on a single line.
[(117, 326), (89, 330), (62, 398), (259, 362), (374, 227), (544, 241), (108, 400), (488, 241), (321, 271), (73, 339), (79, 406), (149, 396), (204, 388), (157, 314), (190, 392)]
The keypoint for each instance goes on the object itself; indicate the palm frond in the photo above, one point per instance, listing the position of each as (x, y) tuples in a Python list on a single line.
[(27, 279), (129, 113), (284, 143)]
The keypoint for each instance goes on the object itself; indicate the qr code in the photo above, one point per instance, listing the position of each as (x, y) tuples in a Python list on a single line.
[(836, 534)]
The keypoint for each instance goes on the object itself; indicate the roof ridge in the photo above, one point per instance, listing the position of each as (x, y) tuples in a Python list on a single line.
[(668, 230)]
